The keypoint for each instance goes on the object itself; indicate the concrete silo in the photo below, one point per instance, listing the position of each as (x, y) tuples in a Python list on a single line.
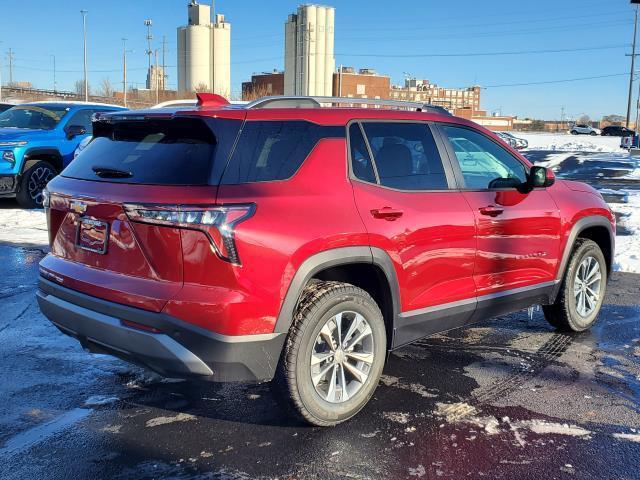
[(309, 60), (204, 52)]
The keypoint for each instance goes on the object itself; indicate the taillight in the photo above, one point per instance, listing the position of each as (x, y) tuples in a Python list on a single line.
[(218, 223)]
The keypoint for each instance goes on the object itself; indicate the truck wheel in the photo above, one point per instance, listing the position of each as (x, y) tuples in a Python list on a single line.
[(334, 354), (582, 291), (32, 184)]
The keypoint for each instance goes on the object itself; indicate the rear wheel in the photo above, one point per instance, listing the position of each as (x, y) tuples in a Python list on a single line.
[(33, 182), (333, 356), (582, 291), (573, 132)]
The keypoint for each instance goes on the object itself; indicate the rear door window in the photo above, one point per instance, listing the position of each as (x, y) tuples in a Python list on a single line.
[(406, 156), (273, 150), (178, 151), (361, 163)]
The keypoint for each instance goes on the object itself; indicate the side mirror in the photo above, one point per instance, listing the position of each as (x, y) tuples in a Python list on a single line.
[(74, 130), (541, 177)]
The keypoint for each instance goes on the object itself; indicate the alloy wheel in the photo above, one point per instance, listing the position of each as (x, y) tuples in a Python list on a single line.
[(587, 286), (37, 182), (342, 357)]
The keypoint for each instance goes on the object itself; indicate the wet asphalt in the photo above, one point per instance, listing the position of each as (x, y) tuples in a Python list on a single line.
[(507, 398)]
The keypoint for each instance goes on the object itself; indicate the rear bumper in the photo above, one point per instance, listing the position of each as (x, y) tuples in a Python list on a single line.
[(180, 350)]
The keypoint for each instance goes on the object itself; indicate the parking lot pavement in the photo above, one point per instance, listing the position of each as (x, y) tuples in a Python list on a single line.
[(507, 398)]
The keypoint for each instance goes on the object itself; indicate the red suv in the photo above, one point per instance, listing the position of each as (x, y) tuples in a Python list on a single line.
[(295, 241)]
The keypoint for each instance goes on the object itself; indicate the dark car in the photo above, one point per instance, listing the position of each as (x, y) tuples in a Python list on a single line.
[(617, 131), (300, 245)]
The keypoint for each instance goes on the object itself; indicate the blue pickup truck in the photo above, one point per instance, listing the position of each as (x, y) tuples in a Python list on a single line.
[(37, 141)]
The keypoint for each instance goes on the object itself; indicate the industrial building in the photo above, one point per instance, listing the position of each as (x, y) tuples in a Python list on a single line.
[(263, 84), (156, 78), (364, 83), (452, 99), (204, 52), (309, 62)]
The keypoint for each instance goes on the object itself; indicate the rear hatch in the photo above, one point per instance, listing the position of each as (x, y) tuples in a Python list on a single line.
[(101, 241)]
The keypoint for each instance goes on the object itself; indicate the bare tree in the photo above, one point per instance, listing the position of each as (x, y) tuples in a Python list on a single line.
[(106, 89), (584, 119), (202, 87), (253, 92), (79, 87)]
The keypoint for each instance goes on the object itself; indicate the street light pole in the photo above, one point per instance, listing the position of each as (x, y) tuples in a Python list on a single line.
[(633, 62), (84, 32), (124, 70), (55, 85)]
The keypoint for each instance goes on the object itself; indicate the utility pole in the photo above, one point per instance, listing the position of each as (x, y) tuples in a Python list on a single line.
[(562, 118), (0, 77), (124, 70), (10, 58), (148, 23), (84, 34), (55, 84), (633, 62), (164, 66), (156, 77)]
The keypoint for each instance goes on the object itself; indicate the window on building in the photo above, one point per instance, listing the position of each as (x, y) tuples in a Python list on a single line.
[(360, 89)]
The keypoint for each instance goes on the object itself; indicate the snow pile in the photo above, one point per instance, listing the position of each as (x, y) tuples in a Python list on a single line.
[(23, 227), (570, 143), (627, 257)]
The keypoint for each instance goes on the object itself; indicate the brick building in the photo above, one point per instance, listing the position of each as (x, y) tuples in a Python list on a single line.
[(415, 90), (364, 83), (263, 84)]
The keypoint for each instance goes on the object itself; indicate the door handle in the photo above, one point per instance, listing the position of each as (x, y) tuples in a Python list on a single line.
[(387, 213), (491, 210)]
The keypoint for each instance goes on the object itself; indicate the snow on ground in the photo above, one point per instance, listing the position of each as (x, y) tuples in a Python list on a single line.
[(570, 143), (627, 258), (23, 227)]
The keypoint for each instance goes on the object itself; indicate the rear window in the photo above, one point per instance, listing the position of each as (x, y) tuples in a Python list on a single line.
[(274, 150), (178, 151)]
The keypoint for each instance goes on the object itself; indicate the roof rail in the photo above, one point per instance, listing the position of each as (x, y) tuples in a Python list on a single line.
[(318, 102)]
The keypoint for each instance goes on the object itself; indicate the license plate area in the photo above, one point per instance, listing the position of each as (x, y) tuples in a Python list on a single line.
[(92, 235)]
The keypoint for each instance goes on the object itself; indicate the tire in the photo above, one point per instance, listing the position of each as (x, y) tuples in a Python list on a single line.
[(33, 182), (313, 402), (564, 313), (573, 132), (593, 134)]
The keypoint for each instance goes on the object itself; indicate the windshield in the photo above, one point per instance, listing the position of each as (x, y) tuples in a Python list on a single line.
[(39, 118)]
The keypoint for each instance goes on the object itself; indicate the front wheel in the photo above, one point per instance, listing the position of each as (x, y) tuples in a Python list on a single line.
[(33, 182), (593, 134), (333, 356), (582, 291)]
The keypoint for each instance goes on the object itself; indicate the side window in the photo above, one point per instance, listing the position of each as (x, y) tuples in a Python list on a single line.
[(273, 150), (484, 163), (406, 156), (83, 118), (360, 160)]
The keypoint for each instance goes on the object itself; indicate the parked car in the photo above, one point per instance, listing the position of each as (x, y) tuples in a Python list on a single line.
[(82, 145), (617, 131), (5, 106), (513, 141), (300, 245), (582, 129), (37, 141), (506, 138)]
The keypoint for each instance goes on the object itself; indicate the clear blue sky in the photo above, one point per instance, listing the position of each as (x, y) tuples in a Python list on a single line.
[(369, 33)]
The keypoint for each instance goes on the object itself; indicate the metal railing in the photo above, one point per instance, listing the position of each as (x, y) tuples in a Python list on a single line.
[(319, 102)]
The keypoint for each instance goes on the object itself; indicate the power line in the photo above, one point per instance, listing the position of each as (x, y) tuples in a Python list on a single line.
[(480, 54), (566, 80)]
